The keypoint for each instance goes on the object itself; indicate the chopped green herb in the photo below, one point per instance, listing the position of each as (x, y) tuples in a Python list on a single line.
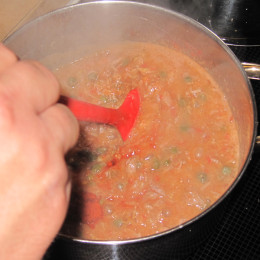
[(202, 177), (184, 128), (97, 167), (72, 82), (92, 157), (167, 162), (188, 79), (108, 99), (163, 74), (155, 164), (118, 222), (202, 96), (223, 128), (226, 170), (93, 75), (174, 149), (104, 99), (182, 102), (125, 62), (101, 150)]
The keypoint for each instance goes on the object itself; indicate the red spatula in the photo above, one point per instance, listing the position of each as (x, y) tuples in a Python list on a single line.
[(122, 118)]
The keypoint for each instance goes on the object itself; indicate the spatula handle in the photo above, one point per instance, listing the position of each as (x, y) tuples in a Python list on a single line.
[(89, 112)]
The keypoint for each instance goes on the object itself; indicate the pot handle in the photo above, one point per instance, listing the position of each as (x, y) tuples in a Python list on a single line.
[(252, 70), (257, 145)]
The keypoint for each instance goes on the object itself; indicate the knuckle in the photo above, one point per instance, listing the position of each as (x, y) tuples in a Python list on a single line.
[(27, 72), (46, 73), (41, 155), (7, 56), (56, 179), (34, 70), (49, 163)]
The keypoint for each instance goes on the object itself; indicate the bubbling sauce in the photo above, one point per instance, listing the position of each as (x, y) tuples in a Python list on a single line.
[(180, 157)]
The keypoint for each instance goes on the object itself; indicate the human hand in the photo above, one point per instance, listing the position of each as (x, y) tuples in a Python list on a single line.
[(35, 133)]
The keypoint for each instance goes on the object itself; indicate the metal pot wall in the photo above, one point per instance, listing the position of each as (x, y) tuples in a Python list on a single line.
[(64, 35), (236, 22)]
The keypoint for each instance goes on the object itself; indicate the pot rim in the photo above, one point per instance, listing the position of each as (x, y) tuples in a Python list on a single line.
[(225, 48)]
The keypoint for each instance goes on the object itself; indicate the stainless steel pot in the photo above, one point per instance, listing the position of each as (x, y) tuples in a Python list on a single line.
[(69, 33)]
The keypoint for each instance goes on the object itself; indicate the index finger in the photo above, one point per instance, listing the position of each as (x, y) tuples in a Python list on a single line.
[(30, 83), (7, 58)]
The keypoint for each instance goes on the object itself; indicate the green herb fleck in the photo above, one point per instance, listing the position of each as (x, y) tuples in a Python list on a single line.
[(163, 74), (202, 96), (118, 223), (174, 149), (182, 102), (226, 170), (97, 167), (101, 150), (184, 128), (104, 99), (125, 62), (188, 79), (167, 162), (72, 82), (93, 75), (155, 164), (202, 177)]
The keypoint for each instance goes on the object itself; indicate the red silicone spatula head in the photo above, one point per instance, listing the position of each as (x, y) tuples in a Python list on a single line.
[(123, 118), (128, 113)]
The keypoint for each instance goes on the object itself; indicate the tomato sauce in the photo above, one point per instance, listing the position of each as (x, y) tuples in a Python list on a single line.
[(180, 157)]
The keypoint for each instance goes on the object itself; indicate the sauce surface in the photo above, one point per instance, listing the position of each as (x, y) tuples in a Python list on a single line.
[(181, 154)]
